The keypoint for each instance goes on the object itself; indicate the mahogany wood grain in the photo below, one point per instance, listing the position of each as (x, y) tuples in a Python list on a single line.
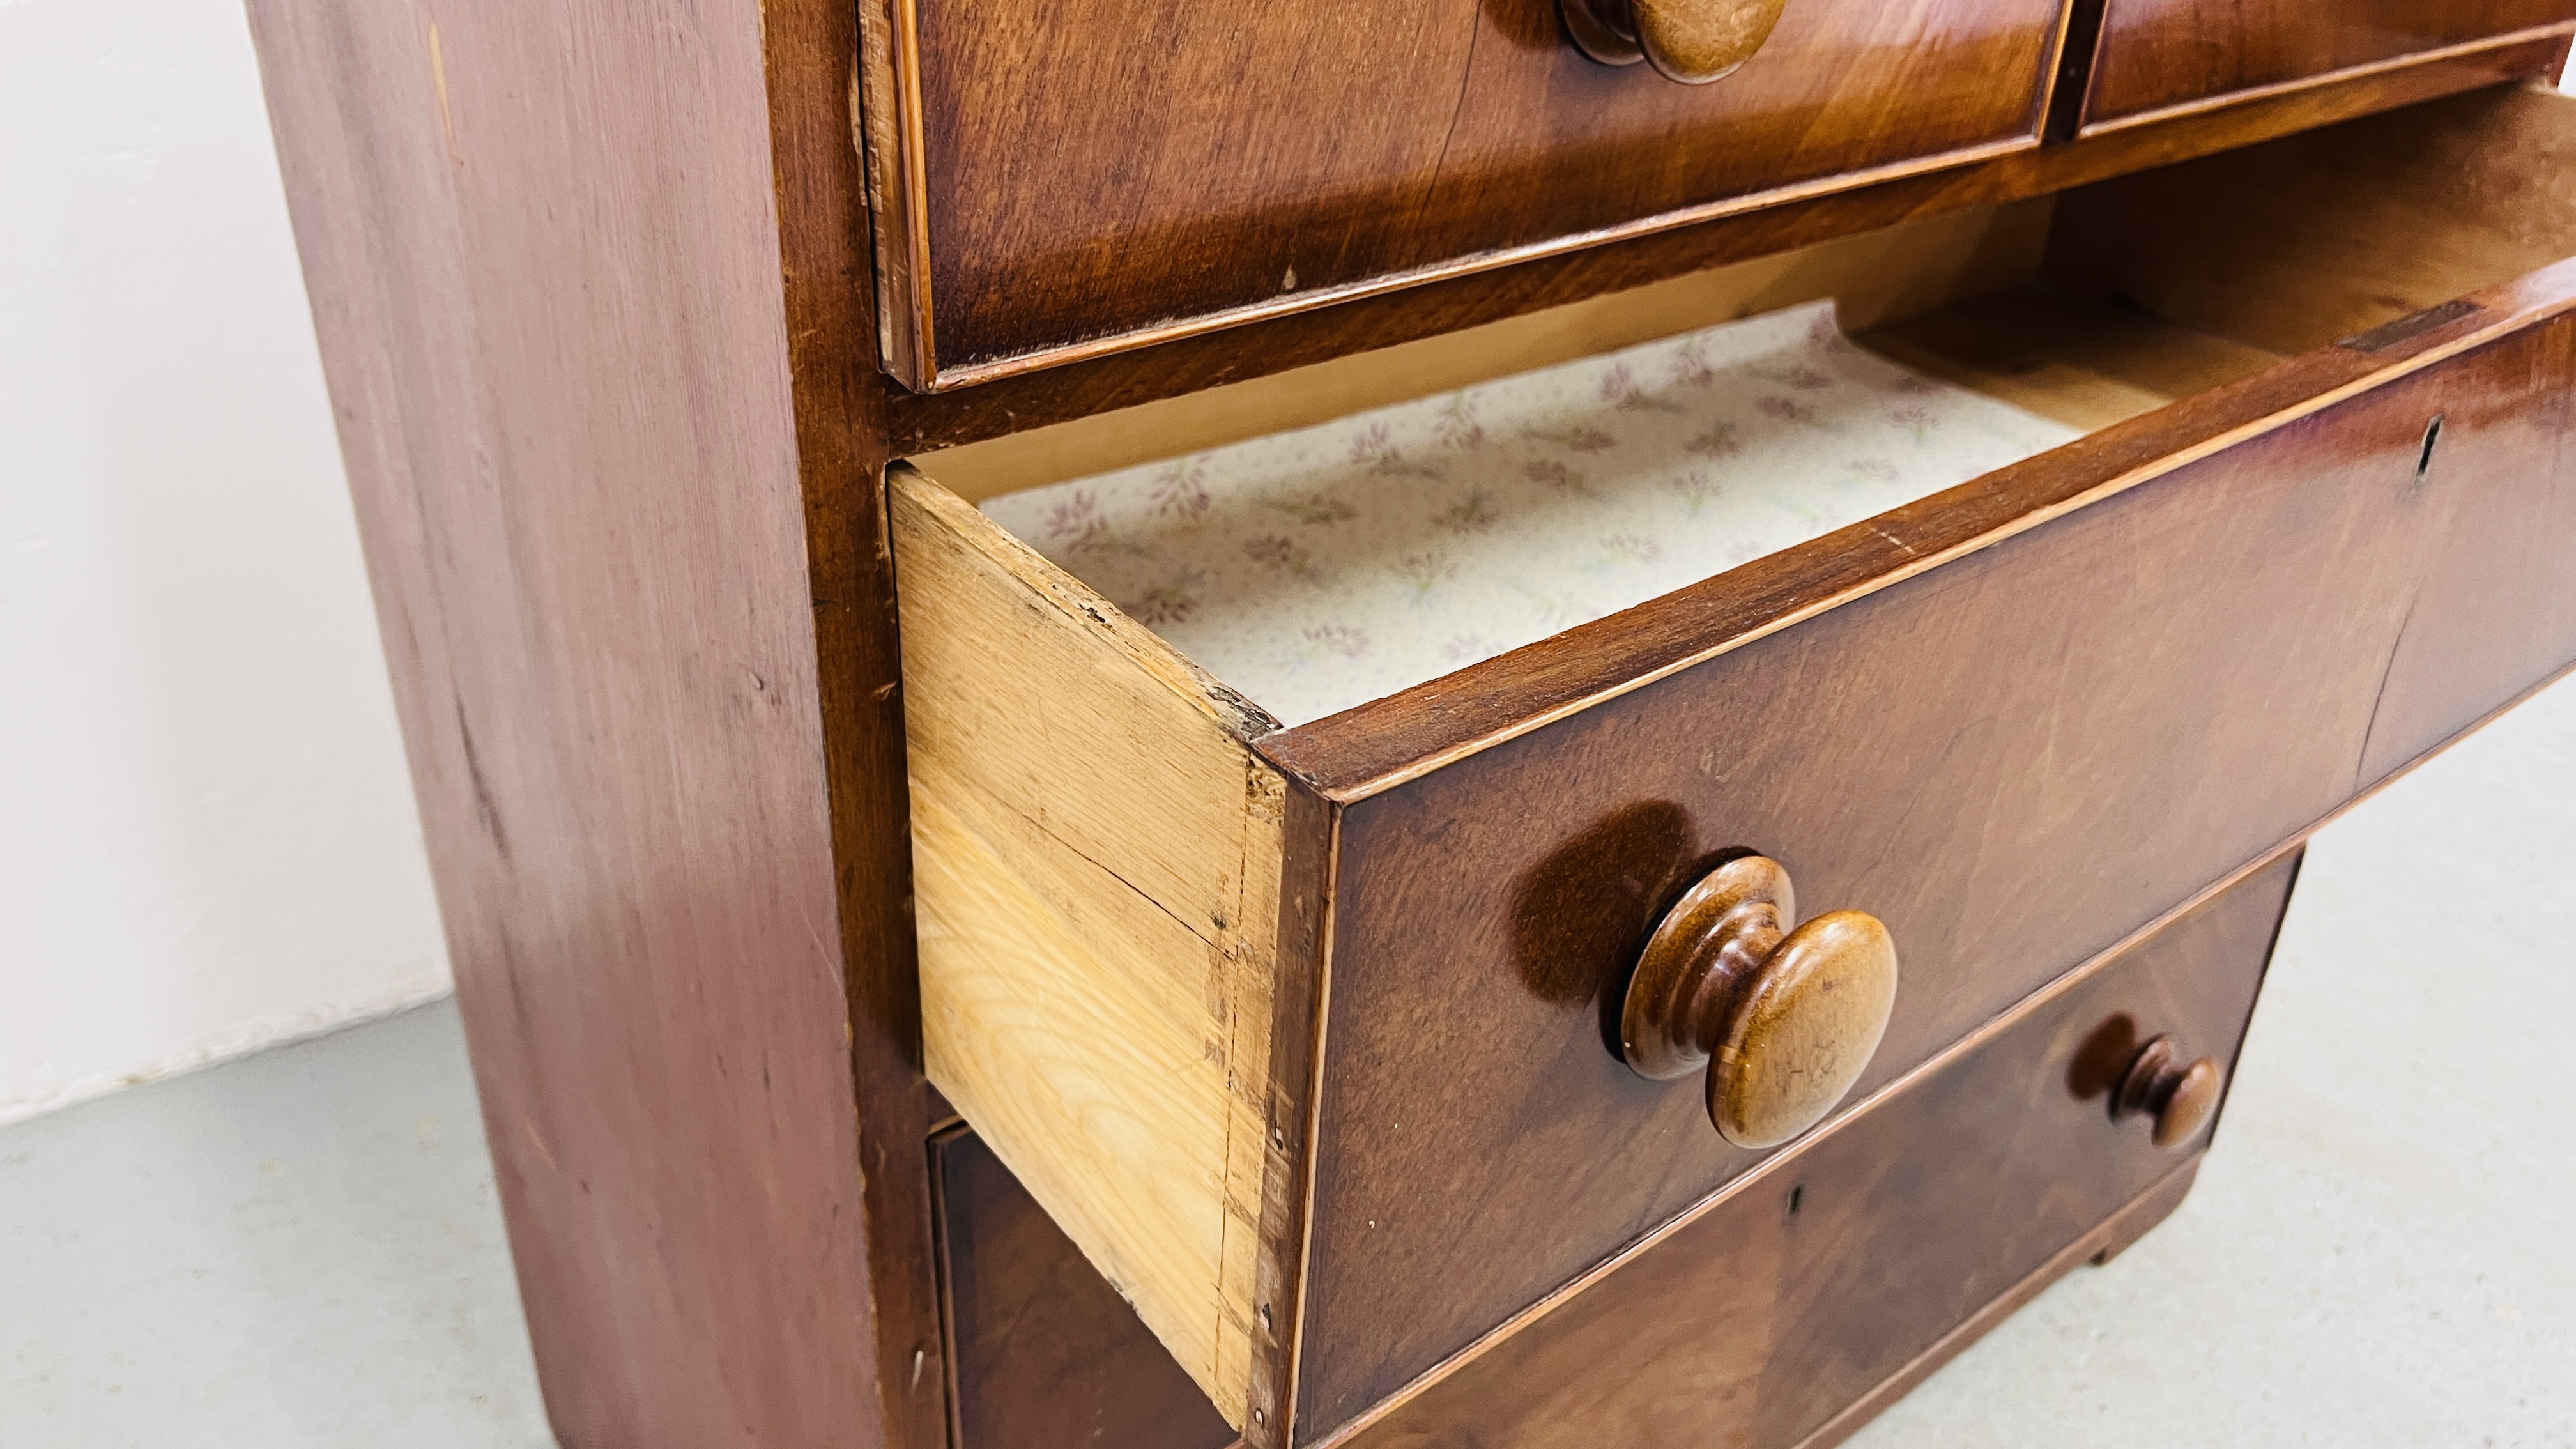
[(2015, 756), (2141, 1216), (1764, 1317), (1307, 150), (590, 284), (922, 422), (811, 51), (2158, 55), (1045, 1353)]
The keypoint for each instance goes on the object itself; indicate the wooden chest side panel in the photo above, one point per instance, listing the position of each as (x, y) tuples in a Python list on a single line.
[(1761, 1321), (1097, 861), (2016, 759), (1105, 169), (2160, 54), (584, 291)]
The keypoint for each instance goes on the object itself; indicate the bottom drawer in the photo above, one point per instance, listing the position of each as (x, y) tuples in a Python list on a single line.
[(1785, 1311), (1043, 1352)]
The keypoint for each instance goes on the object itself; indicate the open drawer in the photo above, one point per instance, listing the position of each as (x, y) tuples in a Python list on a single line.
[(1309, 1036)]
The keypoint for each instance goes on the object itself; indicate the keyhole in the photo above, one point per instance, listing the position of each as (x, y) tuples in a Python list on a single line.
[(1797, 1198), (2424, 460)]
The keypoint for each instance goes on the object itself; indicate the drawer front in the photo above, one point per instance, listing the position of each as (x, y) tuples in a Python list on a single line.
[(1803, 1300), (2160, 55), (1031, 210), (2017, 759)]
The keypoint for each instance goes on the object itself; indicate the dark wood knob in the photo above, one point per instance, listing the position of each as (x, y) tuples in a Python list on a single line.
[(1784, 1020), (1691, 41), (2181, 1096)]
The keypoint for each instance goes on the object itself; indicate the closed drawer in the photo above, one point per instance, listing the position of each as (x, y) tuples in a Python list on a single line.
[(1789, 1310), (1058, 181), (1310, 1037), (2159, 56), (1807, 1296), (1042, 1352)]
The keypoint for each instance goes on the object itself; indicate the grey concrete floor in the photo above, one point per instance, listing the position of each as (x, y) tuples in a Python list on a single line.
[(303, 1249), (298, 1249)]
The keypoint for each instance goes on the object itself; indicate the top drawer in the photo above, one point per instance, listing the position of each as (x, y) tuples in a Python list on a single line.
[(2159, 56), (1061, 180)]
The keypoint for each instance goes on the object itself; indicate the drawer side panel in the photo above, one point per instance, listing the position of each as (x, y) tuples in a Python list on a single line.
[(1097, 867)]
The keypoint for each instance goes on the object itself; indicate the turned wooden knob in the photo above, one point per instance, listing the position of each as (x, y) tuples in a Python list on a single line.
[(1691, 41), (1784, 1020), (2182, 1096)]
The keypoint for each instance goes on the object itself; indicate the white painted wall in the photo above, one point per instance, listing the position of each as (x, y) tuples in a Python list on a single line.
[(207, 840)]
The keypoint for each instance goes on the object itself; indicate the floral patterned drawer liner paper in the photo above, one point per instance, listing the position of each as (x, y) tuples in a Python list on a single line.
[(1319, 569)]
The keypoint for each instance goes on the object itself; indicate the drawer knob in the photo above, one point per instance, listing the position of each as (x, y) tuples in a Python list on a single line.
[(1691, 41), (2181, 1096), (1784, 1019)]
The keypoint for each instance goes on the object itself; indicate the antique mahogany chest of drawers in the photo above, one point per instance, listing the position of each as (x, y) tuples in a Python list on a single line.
[(1056, 828)]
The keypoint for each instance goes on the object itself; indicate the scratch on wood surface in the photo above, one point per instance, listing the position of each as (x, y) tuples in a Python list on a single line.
[(538, 1141), (438, 80), (2379, 698)]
